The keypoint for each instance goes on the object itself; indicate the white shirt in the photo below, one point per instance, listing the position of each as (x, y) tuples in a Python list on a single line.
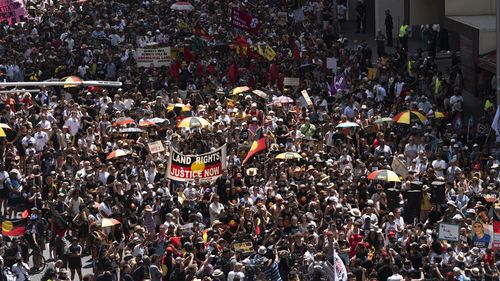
[(231, 275), (73, 125), (439, 166), (21, 270), (41, 140), (214, 210), (105, 209), (395, 277)]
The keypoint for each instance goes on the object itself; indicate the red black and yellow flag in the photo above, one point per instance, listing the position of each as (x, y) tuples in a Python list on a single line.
[(13, 227), (258, 145)]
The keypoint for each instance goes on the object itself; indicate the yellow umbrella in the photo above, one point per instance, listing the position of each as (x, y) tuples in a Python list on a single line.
[(288, 155), (182, 107), (239, 90), (72, 79), (191, 122), (3, 128)]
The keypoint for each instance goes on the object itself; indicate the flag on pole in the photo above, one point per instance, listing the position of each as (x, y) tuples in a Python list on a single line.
[(496, 123), (258, 145), (339, 270)]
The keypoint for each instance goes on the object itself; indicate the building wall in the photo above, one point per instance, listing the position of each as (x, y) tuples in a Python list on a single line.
[(469, 7), (487, 41), (425, 11)]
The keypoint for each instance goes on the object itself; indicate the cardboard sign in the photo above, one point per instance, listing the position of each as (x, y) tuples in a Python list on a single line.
[(245, 21), (307, 98), (207, 167), (12, 11), (449, 232), (482, 235), (157, 57), (266, 51), (244, 247), (372, 73), (156, 147), (298, 15), (399, 167), (282, 18), (331, 63), (291, 81)]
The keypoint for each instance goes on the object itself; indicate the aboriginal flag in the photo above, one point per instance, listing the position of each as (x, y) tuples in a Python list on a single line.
[(258, 145), (13, 227)]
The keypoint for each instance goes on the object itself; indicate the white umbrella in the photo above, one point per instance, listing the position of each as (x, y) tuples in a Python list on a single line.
[(182, 6)]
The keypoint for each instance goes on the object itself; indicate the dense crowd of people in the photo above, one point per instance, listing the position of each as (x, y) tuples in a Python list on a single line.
[(264, 218)]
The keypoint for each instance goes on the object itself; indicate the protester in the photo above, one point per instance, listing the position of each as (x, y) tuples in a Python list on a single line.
[(89, 170)]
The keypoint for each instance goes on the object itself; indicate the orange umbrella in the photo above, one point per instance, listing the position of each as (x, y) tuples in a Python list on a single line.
[(118, 153), (147, 123), (123, 121)]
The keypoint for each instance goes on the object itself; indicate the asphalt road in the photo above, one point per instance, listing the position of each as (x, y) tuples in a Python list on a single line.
[(86, 262)]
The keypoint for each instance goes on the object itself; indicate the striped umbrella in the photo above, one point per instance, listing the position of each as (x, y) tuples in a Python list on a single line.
[(409, 117), (4, 129), (118, 153), (191, 122), (146, 123), (384, 175), (123, 121)]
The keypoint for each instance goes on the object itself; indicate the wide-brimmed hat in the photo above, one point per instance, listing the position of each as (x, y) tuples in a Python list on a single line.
[(451, 203), (355, 212)]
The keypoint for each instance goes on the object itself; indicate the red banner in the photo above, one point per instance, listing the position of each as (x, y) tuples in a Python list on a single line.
[(245, 21)]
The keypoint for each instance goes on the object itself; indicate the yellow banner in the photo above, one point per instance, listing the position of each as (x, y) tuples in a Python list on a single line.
[(267, 52)]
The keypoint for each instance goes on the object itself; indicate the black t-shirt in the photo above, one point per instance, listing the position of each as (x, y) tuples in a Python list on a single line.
[(384, 271), (106, 276)]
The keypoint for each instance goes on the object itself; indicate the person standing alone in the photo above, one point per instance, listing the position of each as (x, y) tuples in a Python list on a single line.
[(361, 17), (389, 25)]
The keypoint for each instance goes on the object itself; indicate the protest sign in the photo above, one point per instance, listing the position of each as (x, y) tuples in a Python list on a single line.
[(481, 235), (298, 15), (207, 167), (12, 11), (307, 98), (157, 57), (399, 167), (292, 81), (331, 63), (244, 247), (449, 232), (245, 21), (266, 51), (156, 147)]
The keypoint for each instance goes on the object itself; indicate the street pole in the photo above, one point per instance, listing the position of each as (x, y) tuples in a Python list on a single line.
[(498, 53)]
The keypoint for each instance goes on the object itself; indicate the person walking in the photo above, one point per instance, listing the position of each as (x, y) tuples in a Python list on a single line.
[(389, 25)]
